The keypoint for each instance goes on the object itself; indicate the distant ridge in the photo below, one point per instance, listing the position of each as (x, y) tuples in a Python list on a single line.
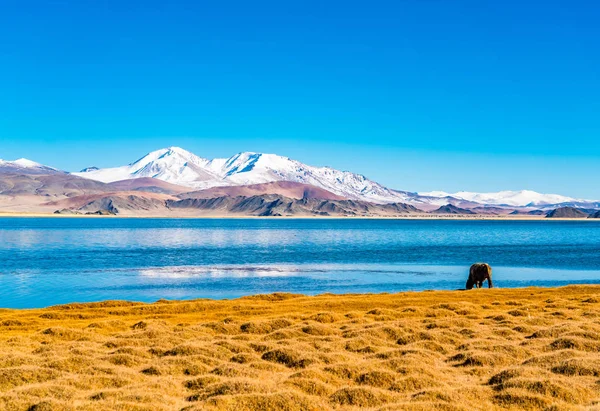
[(522, 198)]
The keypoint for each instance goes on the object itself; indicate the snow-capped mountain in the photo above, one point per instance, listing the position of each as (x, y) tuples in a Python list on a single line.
[(522, 198), (178, 166), (173, 165), (25, 166)]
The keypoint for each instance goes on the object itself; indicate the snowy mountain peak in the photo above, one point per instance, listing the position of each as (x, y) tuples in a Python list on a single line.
[(22, 162), (173, 164), (168, 154), (25, 166)]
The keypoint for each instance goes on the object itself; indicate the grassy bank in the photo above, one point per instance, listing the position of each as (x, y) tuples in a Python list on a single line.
[(481, 349)]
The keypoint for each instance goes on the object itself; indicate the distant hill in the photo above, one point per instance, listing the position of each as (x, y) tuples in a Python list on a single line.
[(115, 204), (491, 210), (48, 185), (532, 212), (567, 212), (595, 214), (450, 209)]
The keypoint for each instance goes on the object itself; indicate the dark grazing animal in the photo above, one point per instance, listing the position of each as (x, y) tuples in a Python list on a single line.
[(478, 273)]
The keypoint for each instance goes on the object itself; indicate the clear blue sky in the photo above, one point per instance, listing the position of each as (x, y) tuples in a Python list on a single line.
[(418, 95)]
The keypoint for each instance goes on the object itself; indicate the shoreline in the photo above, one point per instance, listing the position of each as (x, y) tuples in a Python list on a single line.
[(410, 293), (462, 217)]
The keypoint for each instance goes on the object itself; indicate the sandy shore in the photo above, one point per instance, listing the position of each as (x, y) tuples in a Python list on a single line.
[(482, 349)]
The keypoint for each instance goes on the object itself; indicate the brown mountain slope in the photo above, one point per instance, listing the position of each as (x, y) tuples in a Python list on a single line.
[(126, 204), (567, 212), (276, 205), (491, 210), (451, 209), (283, 188), (147, 184), (50, 185), (101, 201), (30, 192), (525, 212), (140, 203)]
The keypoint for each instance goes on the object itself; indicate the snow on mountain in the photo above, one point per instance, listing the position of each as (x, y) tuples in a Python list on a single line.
[(24, 165), (173, 165), (251, 168), (520, 198), (178, 166)]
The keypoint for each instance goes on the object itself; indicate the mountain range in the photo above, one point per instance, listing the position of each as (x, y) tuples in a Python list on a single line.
[(174, 179), (178, 166)]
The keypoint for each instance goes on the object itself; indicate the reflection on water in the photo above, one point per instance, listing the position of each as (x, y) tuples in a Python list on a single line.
[(53, 261), (217, 272)]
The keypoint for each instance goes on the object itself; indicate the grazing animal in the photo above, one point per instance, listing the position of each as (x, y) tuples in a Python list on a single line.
[(478, 273)]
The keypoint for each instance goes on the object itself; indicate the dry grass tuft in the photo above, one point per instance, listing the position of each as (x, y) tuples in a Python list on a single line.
[(579, 367), (359, 396), (287, 357), (482, 349)]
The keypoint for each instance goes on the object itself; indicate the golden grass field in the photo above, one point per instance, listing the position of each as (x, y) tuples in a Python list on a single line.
[(481, 349)]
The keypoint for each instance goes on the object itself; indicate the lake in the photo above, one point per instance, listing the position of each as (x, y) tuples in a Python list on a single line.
[(48, 261)]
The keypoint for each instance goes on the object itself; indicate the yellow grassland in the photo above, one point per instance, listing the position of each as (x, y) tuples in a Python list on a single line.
[(482, 349)]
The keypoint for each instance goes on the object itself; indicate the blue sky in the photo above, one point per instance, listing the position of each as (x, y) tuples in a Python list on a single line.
[(418, 95)]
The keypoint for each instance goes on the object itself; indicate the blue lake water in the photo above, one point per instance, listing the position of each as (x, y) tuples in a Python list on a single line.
[(47, 261)]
